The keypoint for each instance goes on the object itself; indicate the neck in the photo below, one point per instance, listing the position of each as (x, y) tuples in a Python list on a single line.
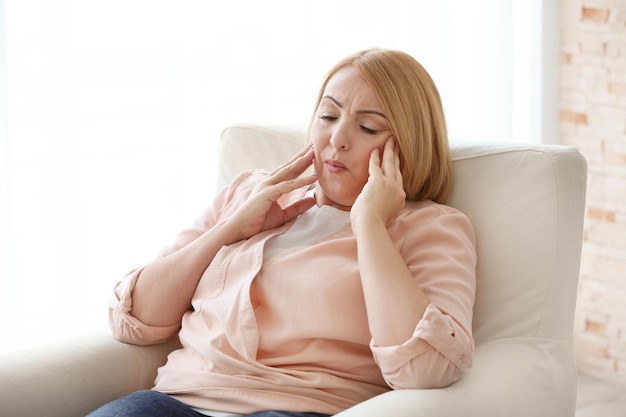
[(322, 200)]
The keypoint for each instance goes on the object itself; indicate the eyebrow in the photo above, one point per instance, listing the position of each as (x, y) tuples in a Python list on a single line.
[(338, 104)]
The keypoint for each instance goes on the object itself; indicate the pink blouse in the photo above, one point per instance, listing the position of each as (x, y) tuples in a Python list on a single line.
[(290, 332)]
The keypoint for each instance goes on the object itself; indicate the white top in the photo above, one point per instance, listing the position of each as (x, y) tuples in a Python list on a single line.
[(311, 226)]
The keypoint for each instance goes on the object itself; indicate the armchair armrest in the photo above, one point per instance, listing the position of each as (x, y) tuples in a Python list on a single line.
[(509, 378), (73, 378)]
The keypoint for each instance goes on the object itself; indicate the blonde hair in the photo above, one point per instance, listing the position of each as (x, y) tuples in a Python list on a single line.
[(411, 102)]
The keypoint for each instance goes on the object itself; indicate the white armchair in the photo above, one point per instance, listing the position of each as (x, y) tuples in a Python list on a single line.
[(526, 203)]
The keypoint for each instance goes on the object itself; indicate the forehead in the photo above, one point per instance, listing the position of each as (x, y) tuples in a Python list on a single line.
[(349, 87)]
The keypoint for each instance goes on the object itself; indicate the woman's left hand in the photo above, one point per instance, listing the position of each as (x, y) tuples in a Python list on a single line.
[(389, 288), (383, 195)]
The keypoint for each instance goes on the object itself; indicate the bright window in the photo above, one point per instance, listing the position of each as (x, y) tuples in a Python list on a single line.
[(110, 112)]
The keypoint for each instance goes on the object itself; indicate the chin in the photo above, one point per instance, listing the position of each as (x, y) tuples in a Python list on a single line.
[(336, 194), (337, 200)]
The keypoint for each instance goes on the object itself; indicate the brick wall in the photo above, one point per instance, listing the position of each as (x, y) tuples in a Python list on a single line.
[(593, 118)]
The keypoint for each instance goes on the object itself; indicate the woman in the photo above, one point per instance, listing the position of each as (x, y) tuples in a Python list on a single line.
[(311, 293)]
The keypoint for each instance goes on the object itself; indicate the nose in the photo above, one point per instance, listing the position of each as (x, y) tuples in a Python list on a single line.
[(340, 137)]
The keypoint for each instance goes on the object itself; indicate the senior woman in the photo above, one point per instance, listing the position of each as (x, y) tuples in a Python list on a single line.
[(297, 295)]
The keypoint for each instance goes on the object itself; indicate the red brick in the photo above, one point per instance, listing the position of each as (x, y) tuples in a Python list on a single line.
[(595, 15), (596, 328), (599, 213), (574, 117), (617, 88)]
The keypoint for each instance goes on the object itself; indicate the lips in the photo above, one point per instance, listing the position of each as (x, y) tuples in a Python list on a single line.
[(335, 166)]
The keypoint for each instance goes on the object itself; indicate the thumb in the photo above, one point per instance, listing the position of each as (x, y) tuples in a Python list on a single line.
[(297, 208)]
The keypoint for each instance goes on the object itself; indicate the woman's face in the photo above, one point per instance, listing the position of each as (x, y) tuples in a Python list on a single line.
[(348, 125)]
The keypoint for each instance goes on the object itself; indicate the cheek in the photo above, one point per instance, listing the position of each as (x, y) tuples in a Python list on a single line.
[(317, 164), (318, 139), (364, 159), (364, 156), (318, 146)]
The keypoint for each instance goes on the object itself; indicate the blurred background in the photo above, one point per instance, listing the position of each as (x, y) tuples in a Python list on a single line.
[(110, 114)]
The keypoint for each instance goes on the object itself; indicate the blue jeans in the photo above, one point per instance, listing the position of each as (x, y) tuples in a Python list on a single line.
[(156, 404)]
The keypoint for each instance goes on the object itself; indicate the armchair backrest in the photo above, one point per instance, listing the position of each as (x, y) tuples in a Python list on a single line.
[(526, 203)]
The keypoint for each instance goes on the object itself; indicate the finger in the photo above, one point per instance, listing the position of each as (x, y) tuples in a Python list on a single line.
[(297, 208), (389, 155), (392, 162), (275, 191), (374, 163), (302, 153), (398, 173), (396, 159)]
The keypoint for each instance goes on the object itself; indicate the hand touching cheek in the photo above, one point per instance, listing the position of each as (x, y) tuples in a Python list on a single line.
[(383, 195)]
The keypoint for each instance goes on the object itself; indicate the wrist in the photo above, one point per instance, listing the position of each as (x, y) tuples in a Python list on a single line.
[(367, 223), (227, 232)]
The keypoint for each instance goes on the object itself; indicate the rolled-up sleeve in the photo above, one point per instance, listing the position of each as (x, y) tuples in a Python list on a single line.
[(125, 327), (441, 255), (432, 358)]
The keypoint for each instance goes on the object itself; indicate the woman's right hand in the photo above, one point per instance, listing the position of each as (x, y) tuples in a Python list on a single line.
[(164, 289), (262, 211)]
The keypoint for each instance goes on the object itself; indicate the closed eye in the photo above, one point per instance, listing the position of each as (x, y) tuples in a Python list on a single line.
[(368, 130)]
